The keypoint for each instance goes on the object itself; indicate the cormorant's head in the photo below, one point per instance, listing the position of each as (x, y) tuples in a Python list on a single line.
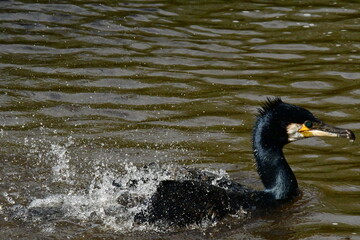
[(288, 123)]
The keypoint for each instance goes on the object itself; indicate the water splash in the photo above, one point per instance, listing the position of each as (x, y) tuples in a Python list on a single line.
[(113, 204), (61, 168), (87, 191)]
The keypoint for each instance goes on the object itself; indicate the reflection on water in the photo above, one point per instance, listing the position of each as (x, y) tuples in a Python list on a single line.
[(91, 91)]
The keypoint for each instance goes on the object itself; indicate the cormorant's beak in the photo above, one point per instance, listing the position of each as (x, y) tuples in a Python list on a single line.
[(320, 129)]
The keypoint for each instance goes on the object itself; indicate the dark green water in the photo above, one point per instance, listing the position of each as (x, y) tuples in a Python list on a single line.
[(88, 88)]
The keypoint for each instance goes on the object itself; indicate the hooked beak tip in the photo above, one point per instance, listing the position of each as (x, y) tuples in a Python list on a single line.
[(349, 135)]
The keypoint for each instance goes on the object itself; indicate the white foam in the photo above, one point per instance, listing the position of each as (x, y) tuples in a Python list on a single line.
[(89, 195), (114, 207)]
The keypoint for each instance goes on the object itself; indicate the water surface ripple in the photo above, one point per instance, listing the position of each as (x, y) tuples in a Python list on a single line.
[(91, 91)]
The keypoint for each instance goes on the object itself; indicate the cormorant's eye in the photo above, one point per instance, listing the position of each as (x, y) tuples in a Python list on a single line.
[(308, 124)]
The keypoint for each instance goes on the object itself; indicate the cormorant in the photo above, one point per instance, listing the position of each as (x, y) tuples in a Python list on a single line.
[(186, 202)]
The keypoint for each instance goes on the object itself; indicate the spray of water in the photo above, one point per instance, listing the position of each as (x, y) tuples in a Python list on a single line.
[(109, 197), (61, 167), (111, 200)]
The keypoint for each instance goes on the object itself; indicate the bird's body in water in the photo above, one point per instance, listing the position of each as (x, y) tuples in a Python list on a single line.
[(192, 201)]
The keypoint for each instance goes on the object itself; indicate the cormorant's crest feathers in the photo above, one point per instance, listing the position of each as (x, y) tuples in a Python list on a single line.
[(269, 104)]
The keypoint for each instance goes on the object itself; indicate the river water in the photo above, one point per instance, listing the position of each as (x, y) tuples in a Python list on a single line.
[(91, 91)]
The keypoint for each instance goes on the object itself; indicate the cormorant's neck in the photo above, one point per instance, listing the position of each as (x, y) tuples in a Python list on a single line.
[(274, 171)]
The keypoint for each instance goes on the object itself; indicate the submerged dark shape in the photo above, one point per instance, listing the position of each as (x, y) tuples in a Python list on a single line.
[(192, 201)]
